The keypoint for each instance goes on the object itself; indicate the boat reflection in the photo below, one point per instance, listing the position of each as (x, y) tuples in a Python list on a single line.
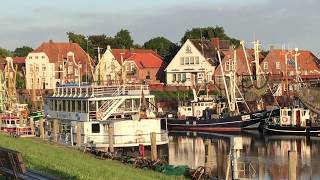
[(266, 157)]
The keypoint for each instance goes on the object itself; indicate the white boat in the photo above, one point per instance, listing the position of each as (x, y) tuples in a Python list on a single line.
[(128, 109)]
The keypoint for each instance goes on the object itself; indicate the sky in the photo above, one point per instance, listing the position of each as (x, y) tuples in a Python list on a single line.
[(289, 23)]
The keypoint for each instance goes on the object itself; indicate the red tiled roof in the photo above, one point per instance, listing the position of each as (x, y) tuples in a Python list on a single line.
[(307, 61), (142, 58), (56, 51), (19, 60), (242, 68)]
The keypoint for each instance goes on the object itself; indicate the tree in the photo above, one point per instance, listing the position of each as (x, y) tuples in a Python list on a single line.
[(101, 41), (163, 47), (22, 51), (208, 33), (5, 52), (123, 39), (83, 41)]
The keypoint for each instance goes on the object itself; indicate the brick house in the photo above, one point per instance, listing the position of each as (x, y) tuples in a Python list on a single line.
[(138, 65), (241, 64), (275, 65), (56, 63)]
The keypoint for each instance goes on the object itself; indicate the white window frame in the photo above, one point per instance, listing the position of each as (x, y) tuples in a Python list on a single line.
[(278, 65), (265, 65)]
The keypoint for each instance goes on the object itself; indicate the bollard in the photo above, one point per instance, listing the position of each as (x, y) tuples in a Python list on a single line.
[(110, 133), (78, 130), (153, 141), (41, 121), (292, 165), (55, 130), (31, 124)]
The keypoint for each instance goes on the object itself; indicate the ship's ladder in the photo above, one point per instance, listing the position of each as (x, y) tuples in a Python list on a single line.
[(111, 105)]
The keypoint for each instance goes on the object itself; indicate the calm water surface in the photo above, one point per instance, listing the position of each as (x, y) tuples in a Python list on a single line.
[(264, 157)]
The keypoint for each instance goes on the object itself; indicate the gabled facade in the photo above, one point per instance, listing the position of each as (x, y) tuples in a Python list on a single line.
[(241, 65), (56, 63), (193, 64), (135, 66), (275, 65)]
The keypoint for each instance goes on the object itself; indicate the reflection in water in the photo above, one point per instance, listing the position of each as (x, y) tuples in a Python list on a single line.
[(268, 156)]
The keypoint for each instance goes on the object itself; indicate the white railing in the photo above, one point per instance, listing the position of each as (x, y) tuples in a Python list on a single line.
[(98, 91)]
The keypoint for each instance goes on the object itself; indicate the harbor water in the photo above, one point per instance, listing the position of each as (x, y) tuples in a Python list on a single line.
[(253, 154)]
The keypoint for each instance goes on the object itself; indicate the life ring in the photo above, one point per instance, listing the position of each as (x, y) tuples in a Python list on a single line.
[(98, 115), (198, 112), (284, 119)]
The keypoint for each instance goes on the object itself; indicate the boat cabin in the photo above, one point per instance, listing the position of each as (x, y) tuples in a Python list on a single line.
[(294, 117)]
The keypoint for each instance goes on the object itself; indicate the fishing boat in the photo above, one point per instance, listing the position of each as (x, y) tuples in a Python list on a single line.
[(97, 115), (228, 114), (292, 121)]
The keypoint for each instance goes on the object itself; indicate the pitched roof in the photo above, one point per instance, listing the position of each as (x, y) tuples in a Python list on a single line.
[(142, 57), (57, 51), (206, 47), (306, 60), (242, 68), (19, 60)]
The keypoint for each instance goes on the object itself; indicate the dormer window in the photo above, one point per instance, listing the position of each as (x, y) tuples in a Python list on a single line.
[(278, 65)]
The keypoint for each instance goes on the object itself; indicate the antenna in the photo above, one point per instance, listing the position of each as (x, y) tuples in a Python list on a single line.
[(201, 41)]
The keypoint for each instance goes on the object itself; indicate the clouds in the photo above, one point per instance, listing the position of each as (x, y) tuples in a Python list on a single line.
[(273, 22)]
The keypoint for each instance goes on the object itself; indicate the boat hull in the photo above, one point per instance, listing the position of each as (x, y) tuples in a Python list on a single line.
[(250, 121), (292, 130)]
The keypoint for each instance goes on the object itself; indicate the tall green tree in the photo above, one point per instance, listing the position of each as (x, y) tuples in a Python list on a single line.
[(83, 41), (123, 39), (101, 41), (208, 33), (163, 47), (5, 52), (22, 51)]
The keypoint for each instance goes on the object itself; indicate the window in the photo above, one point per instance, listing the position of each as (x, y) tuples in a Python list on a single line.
[(186, 60), (132, 67), (30, 57), (179, 77), (191, 60), (36, 57), (43, 67), (181, 61), (183, 77), (148, 76), (174, 77), (197, 60), (95, 128), (277, 65), (265, 65), (227, 66)]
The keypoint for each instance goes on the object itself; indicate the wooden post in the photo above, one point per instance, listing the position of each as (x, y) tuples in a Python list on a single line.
[(153, 140), (55, 130), (78, 130), (110, 133), (292, 165), (31, 124), (41, 121)]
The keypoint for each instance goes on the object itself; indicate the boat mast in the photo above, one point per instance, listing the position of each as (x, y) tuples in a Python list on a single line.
[(224, 80)]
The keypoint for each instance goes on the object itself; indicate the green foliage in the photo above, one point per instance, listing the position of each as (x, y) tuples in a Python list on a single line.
[(163, 47), (83, 41), (123, 39), (22, 51), (5, 52), (20, 83), (208, 33), (172, 95), (68, 163)]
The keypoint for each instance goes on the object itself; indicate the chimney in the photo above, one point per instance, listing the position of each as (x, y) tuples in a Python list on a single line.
[(215, 42), (50, 41), (109, 47)]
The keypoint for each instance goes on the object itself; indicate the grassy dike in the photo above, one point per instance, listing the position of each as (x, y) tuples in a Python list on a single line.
[(69, 163)]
